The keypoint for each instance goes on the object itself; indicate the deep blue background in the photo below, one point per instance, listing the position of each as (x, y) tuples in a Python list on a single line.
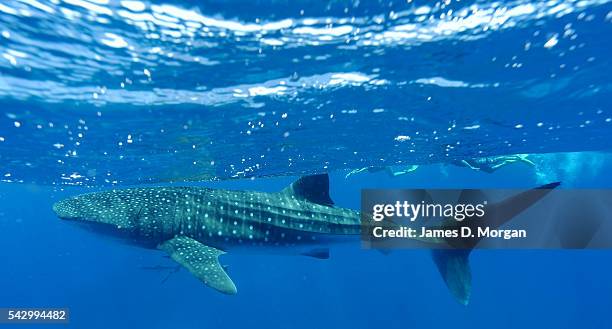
[(46, 262), (52, 108)]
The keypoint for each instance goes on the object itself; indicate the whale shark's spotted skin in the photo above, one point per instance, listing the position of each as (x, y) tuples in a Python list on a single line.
[(196, 225), (218, 218)]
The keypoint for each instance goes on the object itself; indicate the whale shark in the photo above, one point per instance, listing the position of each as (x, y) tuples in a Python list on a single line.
[(196, 225)]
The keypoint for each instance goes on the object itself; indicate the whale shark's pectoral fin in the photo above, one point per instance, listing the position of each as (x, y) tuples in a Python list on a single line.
[(201, 260)]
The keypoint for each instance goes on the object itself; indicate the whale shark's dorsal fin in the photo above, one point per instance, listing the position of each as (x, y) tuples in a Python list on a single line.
[(313, 188), (201, 260)]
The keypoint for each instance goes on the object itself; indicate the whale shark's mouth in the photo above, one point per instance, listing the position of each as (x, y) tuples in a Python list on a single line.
[(81, 214), (70, 209)]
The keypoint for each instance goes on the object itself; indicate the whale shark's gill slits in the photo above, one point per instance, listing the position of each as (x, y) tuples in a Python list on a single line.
[(136, 223)]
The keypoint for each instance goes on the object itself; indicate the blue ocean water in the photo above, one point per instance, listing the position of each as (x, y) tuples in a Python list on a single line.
[(104, 93), (107, 92), (50, 263)]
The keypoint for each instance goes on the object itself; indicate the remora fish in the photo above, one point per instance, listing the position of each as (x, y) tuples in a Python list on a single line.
[(196, 225)]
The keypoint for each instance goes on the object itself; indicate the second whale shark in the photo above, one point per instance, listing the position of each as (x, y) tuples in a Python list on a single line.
[(196, 225)]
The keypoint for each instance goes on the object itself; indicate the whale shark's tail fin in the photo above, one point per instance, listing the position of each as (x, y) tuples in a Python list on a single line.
[(453, 264)]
